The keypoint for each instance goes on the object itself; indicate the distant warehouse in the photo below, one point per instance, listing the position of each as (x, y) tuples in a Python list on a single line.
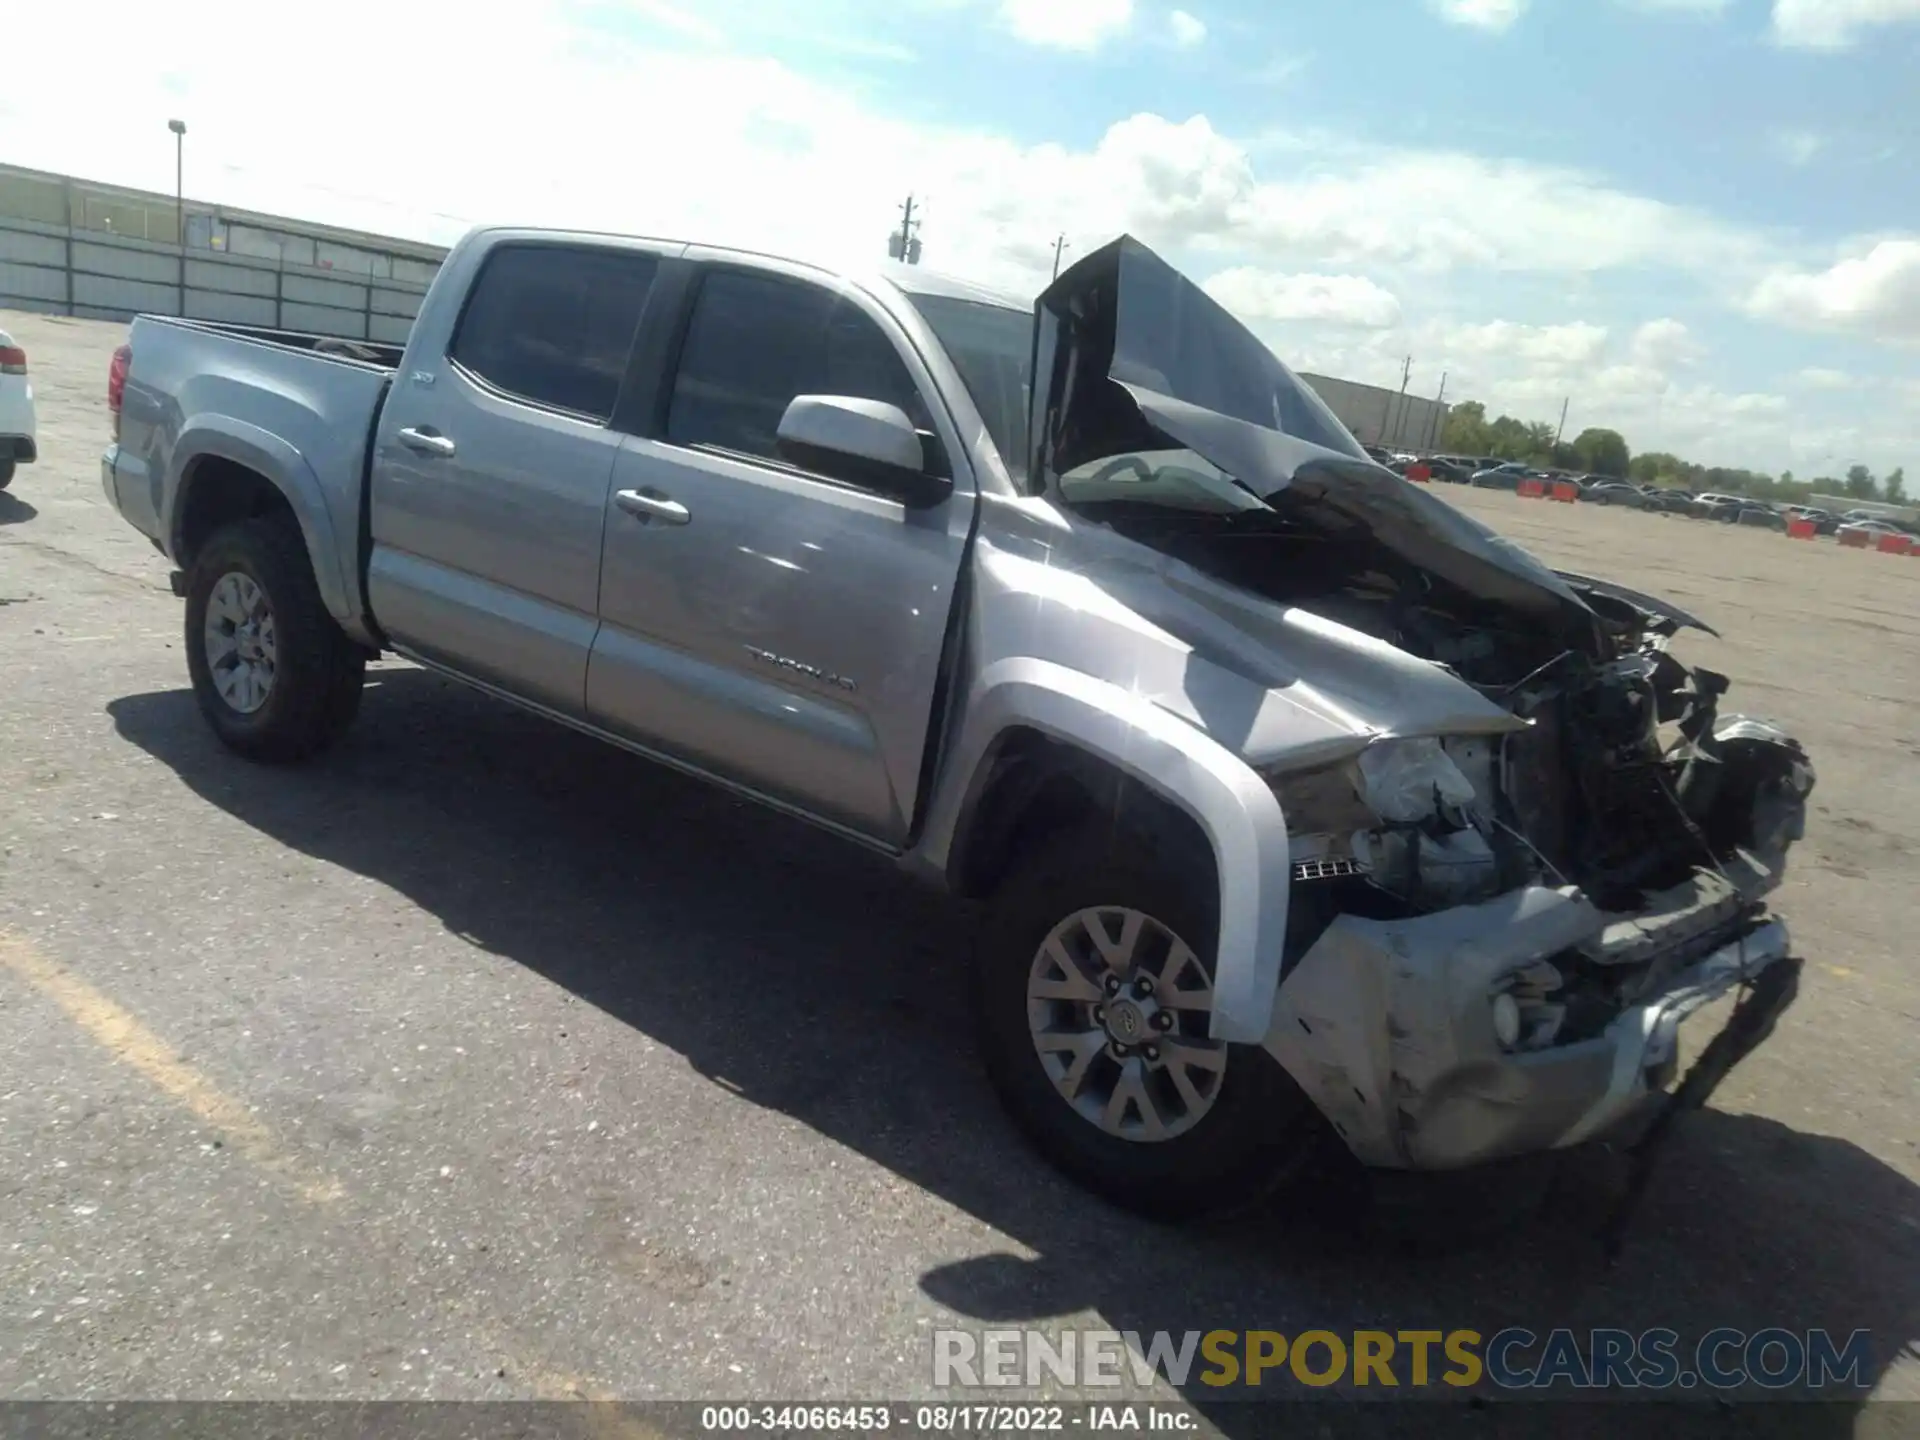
[(78, 247), (1378, 416)]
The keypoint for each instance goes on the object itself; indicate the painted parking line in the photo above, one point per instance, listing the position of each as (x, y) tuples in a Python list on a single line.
[(116, 1030)]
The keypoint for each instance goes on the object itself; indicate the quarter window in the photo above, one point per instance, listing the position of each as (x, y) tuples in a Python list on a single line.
[(553, 324)]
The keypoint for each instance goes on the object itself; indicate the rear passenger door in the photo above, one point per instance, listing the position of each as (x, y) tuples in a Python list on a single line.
[(492, 464), (786, 634)]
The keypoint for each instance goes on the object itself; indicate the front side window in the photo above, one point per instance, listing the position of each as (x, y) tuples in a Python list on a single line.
[(553, 324), (756, 341)]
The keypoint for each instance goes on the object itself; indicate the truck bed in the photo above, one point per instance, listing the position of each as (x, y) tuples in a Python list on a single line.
[(341, 347), (296, 408)]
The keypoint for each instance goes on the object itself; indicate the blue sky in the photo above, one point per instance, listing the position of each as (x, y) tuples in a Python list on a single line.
[(1698, 220)]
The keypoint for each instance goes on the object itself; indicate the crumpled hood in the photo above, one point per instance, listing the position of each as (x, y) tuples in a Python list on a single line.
[(1182, 368)]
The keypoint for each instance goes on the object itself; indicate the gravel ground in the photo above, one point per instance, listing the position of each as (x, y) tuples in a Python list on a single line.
[(480, 1061)]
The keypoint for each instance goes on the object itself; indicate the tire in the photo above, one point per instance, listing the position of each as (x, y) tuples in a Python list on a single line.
[(316, 671), (1258, 1129), (7, 467)]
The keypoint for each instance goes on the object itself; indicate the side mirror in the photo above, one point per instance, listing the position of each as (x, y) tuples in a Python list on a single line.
[(864, 442)]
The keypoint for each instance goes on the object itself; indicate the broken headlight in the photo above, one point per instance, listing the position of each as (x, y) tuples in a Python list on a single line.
[(1405, 812)]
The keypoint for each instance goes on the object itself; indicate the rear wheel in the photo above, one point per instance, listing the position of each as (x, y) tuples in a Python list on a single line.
[(6, 472), (273, 673), (1095, 999)]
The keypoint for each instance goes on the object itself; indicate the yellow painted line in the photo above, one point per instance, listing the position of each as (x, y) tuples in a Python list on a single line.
[(122, 1035)]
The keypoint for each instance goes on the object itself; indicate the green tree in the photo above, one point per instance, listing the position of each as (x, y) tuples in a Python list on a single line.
[(1604, 452), (1894, 487), (1860, 482), (1466, 429), (1508, 438)]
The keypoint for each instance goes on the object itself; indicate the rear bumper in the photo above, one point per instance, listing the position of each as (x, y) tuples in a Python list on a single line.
[(1388, 1026)]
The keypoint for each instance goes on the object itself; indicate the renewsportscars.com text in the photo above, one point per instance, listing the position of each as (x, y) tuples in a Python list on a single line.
[(1513, 1359)]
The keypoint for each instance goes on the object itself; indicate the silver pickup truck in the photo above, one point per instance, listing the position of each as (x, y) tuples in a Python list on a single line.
[(1295, 801)]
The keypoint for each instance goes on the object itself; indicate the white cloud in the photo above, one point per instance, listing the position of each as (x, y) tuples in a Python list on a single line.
[(1558, 347), (1816, 377), (1067, 24), (1679, 7), (1254, 294), (1188, 29), (1835, 24), (1494, 15), (1665, 344), (1437, 210), (1875, 294), (1797, 147)]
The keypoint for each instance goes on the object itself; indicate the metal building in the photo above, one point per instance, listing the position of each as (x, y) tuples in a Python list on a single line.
[(1378, 416), (76, 247)]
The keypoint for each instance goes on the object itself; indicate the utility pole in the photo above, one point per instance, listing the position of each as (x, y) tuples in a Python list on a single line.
[(1561, 428), (1439, 410), (179, 129), (1059, 244), (904, 244), (1406, 371)]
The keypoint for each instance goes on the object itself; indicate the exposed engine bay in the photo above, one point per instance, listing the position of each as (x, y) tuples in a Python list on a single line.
[(1626, 782)]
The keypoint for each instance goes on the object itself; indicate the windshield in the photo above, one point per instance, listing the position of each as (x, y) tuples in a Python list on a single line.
[(992, 348)]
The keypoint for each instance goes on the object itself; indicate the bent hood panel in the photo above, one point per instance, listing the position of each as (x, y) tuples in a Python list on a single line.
[(1128, 353)]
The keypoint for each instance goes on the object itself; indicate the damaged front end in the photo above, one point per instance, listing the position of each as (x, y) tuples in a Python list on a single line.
[(1492, 937)]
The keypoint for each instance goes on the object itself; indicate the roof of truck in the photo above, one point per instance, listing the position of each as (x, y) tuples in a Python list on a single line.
[(916, 281)]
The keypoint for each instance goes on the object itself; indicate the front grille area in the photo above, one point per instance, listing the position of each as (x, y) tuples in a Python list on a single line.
[(1327, 869)]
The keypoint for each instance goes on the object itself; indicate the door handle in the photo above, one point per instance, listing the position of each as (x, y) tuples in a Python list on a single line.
[(426, 442), (644, 505)]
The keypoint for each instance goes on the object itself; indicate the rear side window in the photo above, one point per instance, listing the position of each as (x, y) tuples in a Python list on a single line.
[(552, 324), (756, 341)]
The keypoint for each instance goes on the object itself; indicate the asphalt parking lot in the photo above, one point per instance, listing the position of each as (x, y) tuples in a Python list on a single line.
[(480, 1061)]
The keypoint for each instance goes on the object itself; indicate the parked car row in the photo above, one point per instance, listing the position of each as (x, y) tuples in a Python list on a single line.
[(1491, 473)]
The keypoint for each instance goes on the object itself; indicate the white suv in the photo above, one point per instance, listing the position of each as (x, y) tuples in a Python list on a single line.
[(17, 443)]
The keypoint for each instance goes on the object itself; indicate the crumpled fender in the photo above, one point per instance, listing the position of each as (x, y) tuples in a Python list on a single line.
[(1231, 803), (287, 470)]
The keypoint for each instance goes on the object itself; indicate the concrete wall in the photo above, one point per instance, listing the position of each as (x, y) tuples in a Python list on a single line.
[(1378, 416), (65, 270)]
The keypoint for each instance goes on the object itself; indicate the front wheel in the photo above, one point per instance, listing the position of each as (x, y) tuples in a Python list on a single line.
[(1095, 998), (7, 468), (274, 675)]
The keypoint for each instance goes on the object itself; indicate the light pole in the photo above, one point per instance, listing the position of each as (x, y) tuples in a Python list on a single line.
[(1059, 244), (179, 129)]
